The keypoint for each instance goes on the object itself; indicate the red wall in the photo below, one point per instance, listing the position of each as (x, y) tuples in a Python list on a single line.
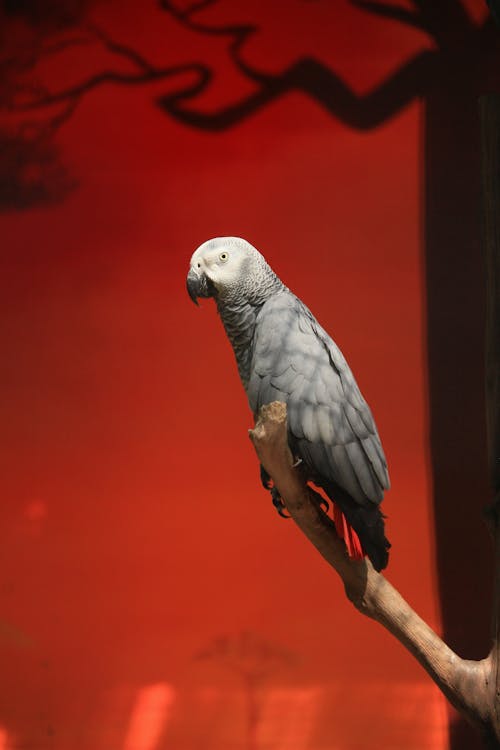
[(134, 530)]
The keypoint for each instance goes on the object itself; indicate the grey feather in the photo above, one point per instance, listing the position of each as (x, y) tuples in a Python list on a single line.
[(346, 475), (363, 471)]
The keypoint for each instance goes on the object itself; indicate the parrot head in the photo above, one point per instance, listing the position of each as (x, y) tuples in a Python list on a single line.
[(219, 267)]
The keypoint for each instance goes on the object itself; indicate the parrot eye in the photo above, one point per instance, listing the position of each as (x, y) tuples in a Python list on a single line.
[(223, 257)]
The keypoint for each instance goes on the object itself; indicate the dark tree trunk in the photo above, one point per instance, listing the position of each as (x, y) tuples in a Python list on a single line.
[(490, 170), (490, 126), (455, 333)]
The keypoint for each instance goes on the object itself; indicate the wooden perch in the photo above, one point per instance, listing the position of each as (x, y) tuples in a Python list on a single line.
[(468, 685)]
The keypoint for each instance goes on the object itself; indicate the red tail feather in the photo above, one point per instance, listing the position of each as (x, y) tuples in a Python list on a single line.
[(347, 533)]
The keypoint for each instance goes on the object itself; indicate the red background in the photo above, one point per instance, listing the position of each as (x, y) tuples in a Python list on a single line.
[(134, 530)]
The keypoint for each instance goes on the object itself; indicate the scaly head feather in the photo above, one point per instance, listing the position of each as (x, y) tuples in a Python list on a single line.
[(230, 268)]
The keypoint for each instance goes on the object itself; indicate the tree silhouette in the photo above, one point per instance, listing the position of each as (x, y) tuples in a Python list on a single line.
[(30, 171), (463, 62), (31, 113), (253, 660)]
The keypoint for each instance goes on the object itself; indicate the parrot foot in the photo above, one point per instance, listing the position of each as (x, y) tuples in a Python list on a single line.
[(278, 503), (266, 480), (267, 483)]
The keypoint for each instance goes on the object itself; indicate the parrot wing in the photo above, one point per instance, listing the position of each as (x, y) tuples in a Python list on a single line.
[(330, 424)]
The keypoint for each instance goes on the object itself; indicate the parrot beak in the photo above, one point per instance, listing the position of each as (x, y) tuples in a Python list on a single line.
[(193, 283), (198, 285)]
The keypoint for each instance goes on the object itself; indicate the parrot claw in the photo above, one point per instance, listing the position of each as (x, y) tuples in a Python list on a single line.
[(278, 503), (296, 463), (266, 480), (267, 483)]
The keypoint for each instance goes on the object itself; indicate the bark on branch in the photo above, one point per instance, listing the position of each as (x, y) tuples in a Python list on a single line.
[(467, 684)]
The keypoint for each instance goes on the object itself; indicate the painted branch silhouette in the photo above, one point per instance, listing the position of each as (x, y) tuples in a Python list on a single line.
[(446, 23), (31, 114)]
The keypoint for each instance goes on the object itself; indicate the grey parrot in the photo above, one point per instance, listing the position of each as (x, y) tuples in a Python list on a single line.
[(283, 354)]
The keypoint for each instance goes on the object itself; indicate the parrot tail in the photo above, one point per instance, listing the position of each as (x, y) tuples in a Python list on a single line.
[(361, 527), (346, 532)]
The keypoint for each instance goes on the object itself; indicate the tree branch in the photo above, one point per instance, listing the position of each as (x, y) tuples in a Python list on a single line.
[(32, 97), (447, 22), (237, 33), (392, 12), (201, 72), (465, 683), (325, 87), (446, 16), (120, 49)]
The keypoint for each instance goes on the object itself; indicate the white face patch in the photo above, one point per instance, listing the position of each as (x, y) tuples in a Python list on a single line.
[(222, 260)]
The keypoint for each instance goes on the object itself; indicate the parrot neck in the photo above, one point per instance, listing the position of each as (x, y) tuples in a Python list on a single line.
[(239, 323), (239, 314), (239, 306)]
